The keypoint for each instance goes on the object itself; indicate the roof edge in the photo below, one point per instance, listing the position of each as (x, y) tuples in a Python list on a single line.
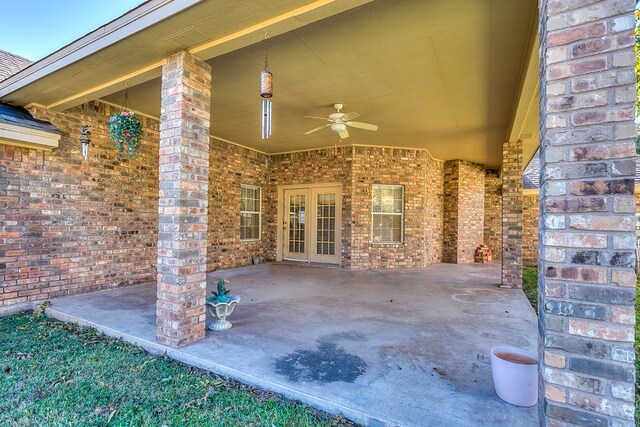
[(133, 21)]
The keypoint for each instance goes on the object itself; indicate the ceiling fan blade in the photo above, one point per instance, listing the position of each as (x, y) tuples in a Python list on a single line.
[(360, 125), (316, 129), (344, 134), (321, 118), (350, 116)]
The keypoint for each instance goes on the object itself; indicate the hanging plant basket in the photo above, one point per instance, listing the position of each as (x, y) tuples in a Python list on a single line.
[(126, 132)]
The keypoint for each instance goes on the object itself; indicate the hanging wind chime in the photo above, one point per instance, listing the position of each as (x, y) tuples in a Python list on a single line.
[(266, 92), (85, 140)]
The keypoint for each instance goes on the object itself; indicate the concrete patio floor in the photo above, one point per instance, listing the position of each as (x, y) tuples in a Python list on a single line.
[(383, 347)]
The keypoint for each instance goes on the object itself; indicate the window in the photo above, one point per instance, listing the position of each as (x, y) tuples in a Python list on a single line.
[(250, 218), (387, 210)]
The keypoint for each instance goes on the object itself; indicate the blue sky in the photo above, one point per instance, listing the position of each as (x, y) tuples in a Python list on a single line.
[(36, 28)]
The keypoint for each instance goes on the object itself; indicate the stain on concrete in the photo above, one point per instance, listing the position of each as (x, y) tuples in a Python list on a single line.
[(326, 364), (347, 336), (441, 372), (476, 296), (517, 341)]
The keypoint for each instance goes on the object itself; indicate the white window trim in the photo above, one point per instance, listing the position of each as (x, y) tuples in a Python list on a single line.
[(259, 212), (401, 242)]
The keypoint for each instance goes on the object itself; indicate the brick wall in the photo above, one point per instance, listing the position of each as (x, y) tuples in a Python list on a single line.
[(418, 173), (70, 226), (587, 282), (358, 168), (231, 166), (530, 215), (464, 189), (493, 212)]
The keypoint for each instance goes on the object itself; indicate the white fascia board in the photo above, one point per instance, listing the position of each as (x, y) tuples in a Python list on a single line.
[(136, 20), (27, 137)]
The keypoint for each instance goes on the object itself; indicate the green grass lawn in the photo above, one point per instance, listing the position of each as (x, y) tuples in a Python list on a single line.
[(57, 374), (530, 287)]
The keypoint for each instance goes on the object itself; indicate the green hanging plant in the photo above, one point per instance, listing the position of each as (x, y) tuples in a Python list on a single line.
[(126, 132)]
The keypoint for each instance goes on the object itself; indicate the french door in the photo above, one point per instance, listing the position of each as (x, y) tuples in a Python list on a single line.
[(311, 223)]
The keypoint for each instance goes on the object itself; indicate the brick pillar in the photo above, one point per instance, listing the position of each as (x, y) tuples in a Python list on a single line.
[(493, 212), (182, 230), (587, 236), (512, 168), (463, 210), (451, 211)]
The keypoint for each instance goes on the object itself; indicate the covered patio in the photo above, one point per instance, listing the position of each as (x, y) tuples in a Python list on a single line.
[(392, 347), (463, 94)]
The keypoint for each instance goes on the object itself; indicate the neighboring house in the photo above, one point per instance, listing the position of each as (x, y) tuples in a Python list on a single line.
[(531, 209), (10, 64), (461, 98)]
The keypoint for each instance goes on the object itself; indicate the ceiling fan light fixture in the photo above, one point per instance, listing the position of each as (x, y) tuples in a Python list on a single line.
[(338, 127)]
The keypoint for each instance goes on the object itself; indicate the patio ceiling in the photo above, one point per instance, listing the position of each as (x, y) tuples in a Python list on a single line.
[(444, 75)]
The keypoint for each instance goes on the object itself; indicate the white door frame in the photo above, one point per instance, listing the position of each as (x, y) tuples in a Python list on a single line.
[(311, 204)]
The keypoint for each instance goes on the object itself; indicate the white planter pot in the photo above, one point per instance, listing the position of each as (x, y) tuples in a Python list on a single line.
[(515, 381), (220, 311)]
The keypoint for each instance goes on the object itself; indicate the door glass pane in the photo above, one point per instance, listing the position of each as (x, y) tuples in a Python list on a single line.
[(296, 223), (325, 224)]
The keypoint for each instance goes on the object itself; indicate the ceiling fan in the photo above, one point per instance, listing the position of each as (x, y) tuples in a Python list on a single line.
[(340, 121)]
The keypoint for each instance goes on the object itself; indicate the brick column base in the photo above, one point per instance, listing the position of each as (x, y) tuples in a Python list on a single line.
[(184, 182)]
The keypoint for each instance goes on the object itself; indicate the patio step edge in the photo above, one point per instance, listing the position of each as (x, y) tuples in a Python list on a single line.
[(156, 348)]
